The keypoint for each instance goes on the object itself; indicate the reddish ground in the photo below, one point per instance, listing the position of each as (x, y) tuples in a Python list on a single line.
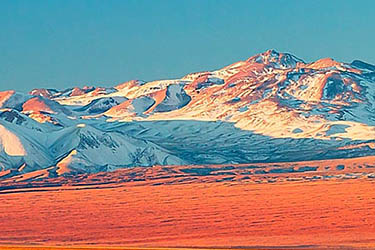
[(324, 212)]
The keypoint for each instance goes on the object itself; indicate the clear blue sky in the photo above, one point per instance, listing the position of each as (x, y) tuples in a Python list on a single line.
[(66, 43)]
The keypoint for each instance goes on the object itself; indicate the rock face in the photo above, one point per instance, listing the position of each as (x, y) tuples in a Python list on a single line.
[(272, 107)]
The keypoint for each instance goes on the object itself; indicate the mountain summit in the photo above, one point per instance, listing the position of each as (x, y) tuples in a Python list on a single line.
[(276, 59), (271, 107)]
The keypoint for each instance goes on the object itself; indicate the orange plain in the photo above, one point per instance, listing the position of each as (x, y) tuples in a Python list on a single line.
[(320, 213)]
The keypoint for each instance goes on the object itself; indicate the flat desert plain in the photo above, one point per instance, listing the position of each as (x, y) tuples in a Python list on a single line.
[(321, 209)]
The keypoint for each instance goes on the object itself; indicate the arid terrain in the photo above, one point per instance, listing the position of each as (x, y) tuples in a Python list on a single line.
[(217, 206)]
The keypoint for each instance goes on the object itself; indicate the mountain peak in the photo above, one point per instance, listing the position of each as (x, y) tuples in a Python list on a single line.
[(276, 59)]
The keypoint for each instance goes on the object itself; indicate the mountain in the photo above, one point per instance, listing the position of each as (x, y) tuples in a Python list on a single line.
[(272, 107)]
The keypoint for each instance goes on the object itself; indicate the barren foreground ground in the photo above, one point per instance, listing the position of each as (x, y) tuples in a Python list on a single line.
[(313, 213)]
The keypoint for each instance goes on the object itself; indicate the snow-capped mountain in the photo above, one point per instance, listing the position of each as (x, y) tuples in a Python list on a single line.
[(271, 107)]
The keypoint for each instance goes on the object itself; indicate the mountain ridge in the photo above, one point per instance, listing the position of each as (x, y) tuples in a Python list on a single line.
[(267, 105)]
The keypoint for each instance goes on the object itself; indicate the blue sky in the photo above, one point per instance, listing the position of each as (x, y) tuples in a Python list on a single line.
[(59, 44)]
